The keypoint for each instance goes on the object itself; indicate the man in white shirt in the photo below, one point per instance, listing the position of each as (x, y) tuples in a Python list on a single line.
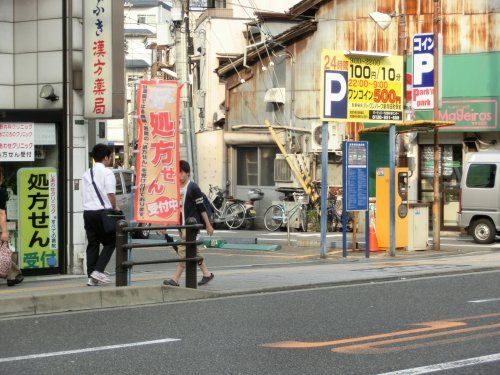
[(93, 207)]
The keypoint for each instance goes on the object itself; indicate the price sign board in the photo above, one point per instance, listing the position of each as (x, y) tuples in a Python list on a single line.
[(355, 168), (361, 88)]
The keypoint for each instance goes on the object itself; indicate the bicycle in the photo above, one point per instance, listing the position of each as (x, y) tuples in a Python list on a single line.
[(334, 214), (275, 216), (226, 211)]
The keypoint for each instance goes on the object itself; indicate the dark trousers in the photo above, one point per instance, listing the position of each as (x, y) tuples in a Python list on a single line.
[(96, 236)]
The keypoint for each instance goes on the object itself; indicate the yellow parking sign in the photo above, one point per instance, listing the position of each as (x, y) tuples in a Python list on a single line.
[(360, 87)]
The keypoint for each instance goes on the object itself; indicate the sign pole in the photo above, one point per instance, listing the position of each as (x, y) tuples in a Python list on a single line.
[(324, 187), (392, 190), (367, 212), (436, 206)]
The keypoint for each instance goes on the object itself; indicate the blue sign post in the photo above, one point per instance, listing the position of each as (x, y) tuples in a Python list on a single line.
[(355, 192)]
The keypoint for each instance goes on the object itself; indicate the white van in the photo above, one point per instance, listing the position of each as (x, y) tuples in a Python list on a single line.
[(479, 211), (124, 182)]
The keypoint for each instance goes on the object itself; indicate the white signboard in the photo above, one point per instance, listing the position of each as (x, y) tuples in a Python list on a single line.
[(45, 134), (17, 141), (98, 70)]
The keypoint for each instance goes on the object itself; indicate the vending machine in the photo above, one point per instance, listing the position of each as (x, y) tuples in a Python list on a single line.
[(383, 207)]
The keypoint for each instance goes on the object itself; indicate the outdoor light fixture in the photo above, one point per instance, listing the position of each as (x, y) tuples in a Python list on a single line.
[(47, 92), (383, 20), (366, 54)]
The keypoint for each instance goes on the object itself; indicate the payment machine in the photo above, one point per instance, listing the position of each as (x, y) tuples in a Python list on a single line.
[(383, 207)]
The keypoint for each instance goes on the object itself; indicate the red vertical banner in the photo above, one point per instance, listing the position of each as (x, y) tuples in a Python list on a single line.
[(157, 163)]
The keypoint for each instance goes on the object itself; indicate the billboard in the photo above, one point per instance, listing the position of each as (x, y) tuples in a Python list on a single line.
[(361, 87), (157, 163), (38, 226), (17, 141)]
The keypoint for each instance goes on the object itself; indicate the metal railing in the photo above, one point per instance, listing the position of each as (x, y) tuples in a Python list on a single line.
[(124, 264)]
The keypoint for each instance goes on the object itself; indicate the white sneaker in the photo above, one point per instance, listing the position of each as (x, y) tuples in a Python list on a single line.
[(93, 282), (99, 276)]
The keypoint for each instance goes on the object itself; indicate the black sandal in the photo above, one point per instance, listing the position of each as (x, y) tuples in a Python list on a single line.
[(170, 282)]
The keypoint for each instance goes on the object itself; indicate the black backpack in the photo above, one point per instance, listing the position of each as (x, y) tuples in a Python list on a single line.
[(208, 208)]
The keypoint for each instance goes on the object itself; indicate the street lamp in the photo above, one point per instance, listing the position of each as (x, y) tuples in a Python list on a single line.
[(383, 20)]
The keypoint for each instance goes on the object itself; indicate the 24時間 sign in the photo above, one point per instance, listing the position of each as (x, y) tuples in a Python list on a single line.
[(157, 194), (38, 232), (361, 88)]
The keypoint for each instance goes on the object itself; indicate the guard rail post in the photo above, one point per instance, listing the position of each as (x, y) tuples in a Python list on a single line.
[(121, 253), (191, 253)]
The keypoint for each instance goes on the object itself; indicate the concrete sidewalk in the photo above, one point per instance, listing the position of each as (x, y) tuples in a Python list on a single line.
[(290, 268)]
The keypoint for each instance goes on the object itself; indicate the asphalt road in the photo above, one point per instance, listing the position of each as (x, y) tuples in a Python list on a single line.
[(361, 329)]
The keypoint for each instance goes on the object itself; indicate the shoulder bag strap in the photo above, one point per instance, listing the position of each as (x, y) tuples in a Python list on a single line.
[(95, 188)]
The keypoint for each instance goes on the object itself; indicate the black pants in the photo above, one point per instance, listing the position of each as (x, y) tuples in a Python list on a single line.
[(96, 236)]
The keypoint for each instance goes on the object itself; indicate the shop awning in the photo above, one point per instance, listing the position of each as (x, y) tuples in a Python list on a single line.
[(409, 127)]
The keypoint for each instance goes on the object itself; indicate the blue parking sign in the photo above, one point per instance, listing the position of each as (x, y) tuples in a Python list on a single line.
[(423, 71)]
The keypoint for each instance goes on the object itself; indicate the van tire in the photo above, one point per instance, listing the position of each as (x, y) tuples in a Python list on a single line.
[(142, 234), (483, 231)]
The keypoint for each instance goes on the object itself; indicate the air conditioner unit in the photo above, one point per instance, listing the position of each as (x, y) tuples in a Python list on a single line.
[(275, 95), (283, 174), (336, 135)]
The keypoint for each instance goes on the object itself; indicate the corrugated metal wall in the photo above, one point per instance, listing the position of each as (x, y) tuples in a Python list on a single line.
[(468, 26)]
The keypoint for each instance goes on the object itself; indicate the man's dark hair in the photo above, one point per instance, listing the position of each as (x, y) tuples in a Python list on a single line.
[(100, 151), (184, 166)]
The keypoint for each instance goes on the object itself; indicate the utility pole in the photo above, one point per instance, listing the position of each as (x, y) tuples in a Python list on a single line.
[(181, 22), (402, 158), (436, 207)]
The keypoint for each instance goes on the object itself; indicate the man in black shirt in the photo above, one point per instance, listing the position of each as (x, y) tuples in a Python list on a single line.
[(191, 204)]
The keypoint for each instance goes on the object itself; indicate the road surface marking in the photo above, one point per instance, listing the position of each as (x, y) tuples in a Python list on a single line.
[(484, 300), (447, 365), (85, 350), (371, 344), (428, 326), (375, 347)]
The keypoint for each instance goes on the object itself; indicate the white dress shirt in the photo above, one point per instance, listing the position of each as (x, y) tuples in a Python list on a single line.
[(105, 181)]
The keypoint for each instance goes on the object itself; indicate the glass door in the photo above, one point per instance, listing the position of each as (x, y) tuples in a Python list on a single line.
[(450, 169)]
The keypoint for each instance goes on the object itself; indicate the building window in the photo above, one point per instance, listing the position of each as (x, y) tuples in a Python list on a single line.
[(481, 176), (255, 166), (146, 19)]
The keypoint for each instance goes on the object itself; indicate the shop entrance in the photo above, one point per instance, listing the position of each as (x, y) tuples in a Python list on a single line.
[(33, 180), (450, 170)]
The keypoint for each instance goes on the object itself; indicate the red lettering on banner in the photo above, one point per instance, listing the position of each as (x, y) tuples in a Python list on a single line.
[(162, 207), (162, 125), (163, 152), (168, 174), (154, 188)]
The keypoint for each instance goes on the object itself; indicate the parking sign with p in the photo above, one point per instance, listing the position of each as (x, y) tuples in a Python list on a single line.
[(423, 71)]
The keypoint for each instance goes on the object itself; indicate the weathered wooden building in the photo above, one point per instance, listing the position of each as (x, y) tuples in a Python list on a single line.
[(278, 80)]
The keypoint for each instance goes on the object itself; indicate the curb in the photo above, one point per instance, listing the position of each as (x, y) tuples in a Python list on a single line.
[(150, 295), (97, 299)]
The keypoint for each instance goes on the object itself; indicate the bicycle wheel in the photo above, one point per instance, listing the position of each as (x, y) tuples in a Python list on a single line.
[(235, 215), (303, 218), (274, 217)]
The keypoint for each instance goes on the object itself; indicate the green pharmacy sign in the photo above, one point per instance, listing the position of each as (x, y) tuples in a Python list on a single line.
[(38, 232), (468, 114)]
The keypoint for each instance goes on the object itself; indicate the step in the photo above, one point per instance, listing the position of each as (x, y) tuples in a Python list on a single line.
[(250, 247)]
